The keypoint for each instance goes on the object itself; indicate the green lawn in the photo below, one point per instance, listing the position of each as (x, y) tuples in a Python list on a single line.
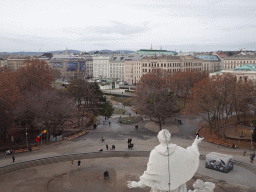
[(119, 111), (129, 120)]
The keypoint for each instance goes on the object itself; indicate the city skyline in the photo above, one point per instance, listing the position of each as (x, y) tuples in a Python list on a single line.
[(195, 25)]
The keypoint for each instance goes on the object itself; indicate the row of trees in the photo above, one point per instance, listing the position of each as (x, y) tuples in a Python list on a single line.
[(27, 97), (159, 96), (220, 97)]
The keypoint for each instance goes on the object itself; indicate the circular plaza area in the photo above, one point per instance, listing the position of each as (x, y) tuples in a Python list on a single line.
[(62, 176)]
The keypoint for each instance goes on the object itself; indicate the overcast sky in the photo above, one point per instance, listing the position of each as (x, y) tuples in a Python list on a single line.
[(187, 25)]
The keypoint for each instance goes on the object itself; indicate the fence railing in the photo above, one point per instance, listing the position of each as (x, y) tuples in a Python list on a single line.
[(76, 156)]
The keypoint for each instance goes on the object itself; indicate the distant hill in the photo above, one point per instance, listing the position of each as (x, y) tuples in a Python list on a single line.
[(62, 51), (110, 51), (37, 53)]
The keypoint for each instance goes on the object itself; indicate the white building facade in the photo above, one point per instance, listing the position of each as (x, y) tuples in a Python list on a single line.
[(101, 67)]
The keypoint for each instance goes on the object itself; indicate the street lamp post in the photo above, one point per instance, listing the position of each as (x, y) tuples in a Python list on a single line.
[(26, 135), (251, 140)]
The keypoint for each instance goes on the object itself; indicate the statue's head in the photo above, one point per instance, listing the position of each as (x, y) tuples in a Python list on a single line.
[(164, 136)]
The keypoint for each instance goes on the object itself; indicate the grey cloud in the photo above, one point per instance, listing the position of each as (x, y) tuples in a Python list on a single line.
[(115, 28), (240, 27), (123, 29), (97, 38)]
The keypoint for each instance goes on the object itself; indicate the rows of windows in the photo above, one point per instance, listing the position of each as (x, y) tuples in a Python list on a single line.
[(117, 64), (240, 62), (172, 70), (160, 64)]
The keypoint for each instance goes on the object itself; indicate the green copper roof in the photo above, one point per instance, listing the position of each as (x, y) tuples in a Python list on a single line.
[(249, 67), (218, 72)]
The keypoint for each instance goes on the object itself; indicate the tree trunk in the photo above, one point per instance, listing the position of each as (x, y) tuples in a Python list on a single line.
[(160, 124), (78, 118)]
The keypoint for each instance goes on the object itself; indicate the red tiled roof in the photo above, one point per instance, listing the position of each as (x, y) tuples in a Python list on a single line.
[(221, 54)]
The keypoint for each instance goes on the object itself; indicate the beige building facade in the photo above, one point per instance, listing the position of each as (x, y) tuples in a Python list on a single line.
[(171, 64), (133, 69), (16, 62), (238, 61)]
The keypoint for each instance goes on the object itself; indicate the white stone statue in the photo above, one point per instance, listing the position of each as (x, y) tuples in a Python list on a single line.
[(200, 186), (169, 166)]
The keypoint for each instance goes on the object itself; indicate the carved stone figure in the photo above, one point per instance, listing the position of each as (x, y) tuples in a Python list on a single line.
[(200, 186), (169, 166)]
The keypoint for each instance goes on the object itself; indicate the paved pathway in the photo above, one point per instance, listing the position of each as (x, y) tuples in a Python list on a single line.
[(143, 139)]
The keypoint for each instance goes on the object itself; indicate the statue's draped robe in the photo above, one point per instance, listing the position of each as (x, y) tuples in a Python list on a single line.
[(183, 164)]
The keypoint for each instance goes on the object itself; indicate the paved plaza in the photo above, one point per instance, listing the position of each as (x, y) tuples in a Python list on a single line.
[(89, 176)]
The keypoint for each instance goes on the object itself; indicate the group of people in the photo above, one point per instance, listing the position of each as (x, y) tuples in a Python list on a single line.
[(78, 162), (178, 121), (130, 144), (113, 147), (107, 147)]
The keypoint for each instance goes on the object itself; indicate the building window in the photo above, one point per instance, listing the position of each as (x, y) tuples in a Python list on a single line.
[(161, 64)]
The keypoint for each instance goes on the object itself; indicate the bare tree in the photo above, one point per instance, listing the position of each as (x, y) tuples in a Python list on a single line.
[(154, 98)]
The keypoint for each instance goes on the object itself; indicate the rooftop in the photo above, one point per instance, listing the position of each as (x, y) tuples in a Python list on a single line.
[(249, 67), (241, 57), (208, 57), (221, 54)]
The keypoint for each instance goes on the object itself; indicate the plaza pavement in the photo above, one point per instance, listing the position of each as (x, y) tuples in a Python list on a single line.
[(144, 140)]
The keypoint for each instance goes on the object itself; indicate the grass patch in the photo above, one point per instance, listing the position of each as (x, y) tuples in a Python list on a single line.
[(119, 111), (127, 101), (129, 120)]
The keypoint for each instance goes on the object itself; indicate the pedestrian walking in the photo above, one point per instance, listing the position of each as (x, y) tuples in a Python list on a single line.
[(72, 161), (251, 158), (109, 122), (102, 139), (79, 163), (106, 175), (141, 119), (113, 147), (129, 146), (107, 147), (13, 158), (129, 114), (234, 146), (244, 153)]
